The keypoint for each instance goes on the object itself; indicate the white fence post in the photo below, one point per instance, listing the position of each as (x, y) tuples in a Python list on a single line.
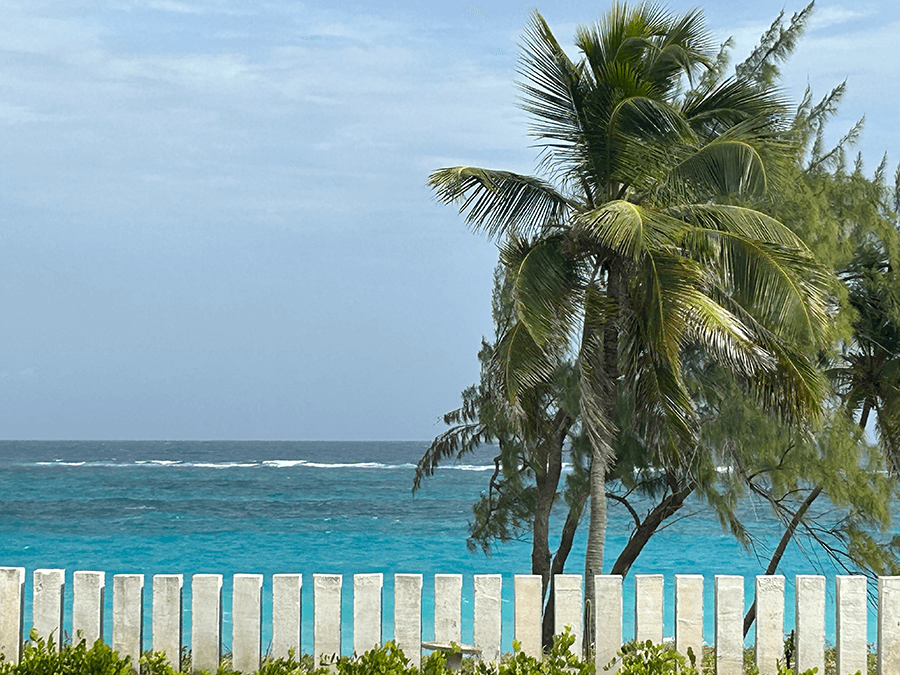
[(246, 622), (12, 610), (206, 622), (487, 617), (286, 613), (608, 621), (527, 589), (648, 608), (367, 615), (810, 618), (888, 625), (448, 608), (408, 616), (327, 614), (166, 622), (850, 624), (128, 616), (769, 623), (568, 610), (689, 615), (47, 604), (87, 606), (729, 625)]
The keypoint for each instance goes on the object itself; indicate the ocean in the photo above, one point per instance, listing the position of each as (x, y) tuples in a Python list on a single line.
[(165, 507)]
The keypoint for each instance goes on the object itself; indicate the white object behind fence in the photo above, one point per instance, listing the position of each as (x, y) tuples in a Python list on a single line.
[(206, 615)]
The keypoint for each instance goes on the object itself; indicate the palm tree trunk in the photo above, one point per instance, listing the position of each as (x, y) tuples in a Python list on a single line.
[(593, 559)]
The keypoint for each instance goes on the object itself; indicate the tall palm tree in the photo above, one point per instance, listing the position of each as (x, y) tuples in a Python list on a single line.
[(625, 249)]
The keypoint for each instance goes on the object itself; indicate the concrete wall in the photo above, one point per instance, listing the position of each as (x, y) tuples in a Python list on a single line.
[(168, 612)]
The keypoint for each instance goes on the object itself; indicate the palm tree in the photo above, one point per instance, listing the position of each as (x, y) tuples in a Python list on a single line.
[(626, 250)]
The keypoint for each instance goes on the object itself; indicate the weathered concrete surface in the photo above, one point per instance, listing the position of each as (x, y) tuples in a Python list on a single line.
[(447, 608), (246, 622), (408, 616), (608, 621), (769, 623), (128, 616), (206, 622), (327, 615), (689, 615), (851, 628), (729, 624), (527, 589), (88, 590), (648, 608), (168, 607), (286, 613), (568, 608), (12, 610), (47, 604), (810, 618), (367, 615), (888, 625), (488, 588)]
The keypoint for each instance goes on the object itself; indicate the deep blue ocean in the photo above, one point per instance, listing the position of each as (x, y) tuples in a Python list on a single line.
[(229, 507)]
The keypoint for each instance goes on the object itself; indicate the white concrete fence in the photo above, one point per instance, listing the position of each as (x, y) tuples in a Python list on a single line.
[(206, 616)]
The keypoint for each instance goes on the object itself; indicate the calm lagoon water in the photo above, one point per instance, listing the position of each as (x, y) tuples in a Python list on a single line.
[(305, 507)]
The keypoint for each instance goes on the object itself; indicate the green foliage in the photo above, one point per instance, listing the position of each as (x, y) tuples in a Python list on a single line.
[(41, 657), (558, 660), (646, 658)]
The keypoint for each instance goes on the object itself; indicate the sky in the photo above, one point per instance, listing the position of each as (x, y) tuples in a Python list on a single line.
[(214, 215)]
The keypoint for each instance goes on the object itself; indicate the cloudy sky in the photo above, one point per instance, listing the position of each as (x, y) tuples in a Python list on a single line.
[(215, 219)]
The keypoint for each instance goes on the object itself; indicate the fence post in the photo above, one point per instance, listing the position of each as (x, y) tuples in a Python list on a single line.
[(327, 615), (729, 625), (408, 616), (87, 606), (527, 589), (286, 613), (168, 606), (367, 615), (608, 622), (810, 617), (246, 622), (689, 615), (206, 622), (648, 608), (47, 605), (12, 610), (568, 610), (769, 623), (888, 625), (487, 617), (447, 608), (128, 616), (850, 624)]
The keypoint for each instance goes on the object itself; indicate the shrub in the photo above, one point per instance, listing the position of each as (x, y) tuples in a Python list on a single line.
[(40, 657)]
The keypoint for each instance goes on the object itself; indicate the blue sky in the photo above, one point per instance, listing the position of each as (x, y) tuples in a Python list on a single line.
[(215, 219)]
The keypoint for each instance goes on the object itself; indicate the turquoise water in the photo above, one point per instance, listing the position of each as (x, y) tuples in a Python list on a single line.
[(305, 507)]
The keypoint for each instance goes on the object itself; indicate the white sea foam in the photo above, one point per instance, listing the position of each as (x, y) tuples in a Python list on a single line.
[(284, 463), (470, 467)]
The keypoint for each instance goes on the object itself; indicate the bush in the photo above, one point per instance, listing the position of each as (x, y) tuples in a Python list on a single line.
[(41, 657)]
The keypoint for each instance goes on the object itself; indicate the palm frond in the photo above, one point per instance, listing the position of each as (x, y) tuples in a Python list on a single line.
[(501, 203), (545, 286)]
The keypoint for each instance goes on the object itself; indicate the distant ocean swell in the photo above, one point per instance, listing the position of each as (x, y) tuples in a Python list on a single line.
[(267, 464)]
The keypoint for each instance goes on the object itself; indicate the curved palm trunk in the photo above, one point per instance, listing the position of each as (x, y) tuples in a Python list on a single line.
[(598, 396), (593, 559)]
